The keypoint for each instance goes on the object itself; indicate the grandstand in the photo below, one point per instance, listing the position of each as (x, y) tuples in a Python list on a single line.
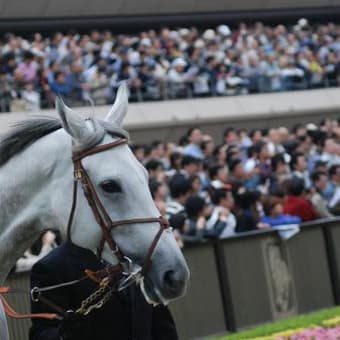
[(235, 114)]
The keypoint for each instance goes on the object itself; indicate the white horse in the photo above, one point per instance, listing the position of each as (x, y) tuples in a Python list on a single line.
[(36, 177)]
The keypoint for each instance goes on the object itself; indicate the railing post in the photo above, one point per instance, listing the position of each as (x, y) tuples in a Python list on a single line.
[(333, 270), (225, 287)]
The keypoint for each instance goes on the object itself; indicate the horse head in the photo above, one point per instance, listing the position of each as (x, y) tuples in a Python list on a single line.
[(121, 184)]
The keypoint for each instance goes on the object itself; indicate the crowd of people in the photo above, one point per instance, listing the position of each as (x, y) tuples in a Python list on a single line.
[(254, 179), (248, 180), (182, 62)]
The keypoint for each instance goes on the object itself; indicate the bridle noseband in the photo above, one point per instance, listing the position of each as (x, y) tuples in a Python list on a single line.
[(102, 217)]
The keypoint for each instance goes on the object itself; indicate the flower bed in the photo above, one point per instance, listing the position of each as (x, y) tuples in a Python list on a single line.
[(322, 325), (330, 330), (314, 333)]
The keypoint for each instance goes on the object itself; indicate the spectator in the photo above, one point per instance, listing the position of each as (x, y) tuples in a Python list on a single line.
[(230, 136), (191, 165), (175, 163), (195, 139), (280, 172), (28, 68), (195, 185), (298, 166), (31, 97), (248, 213), (178, 78), (331, 151), (208, 147), (6, 92), (138, 151), (179, 187), (159, 193), (98, 86), (159, 152), (296, 203), (155, 169), (334, 176), (273, 213), (320, 181), (196, 212), (238, 176), (60, 84), (218, 176), (223, 201)]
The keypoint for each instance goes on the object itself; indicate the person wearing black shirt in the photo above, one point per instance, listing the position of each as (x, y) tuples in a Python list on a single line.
[(126, 316)]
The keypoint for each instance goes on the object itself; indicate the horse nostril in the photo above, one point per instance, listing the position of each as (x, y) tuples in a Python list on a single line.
[(173, 281)]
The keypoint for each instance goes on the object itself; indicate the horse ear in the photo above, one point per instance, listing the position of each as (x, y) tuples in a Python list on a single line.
[(120, 106), (73, 123)]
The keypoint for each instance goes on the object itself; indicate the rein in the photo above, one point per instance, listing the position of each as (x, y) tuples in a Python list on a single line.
[(111, 278)]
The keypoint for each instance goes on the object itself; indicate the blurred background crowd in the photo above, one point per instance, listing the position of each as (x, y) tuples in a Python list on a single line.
[(245, 180), (210, 187), (184, 62)]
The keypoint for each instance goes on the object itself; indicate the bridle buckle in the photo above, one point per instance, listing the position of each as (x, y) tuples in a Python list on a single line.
[(78, 174), (130, 277), (35, 294)]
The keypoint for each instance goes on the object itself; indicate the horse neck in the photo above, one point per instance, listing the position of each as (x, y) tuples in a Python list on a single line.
[(25, 210)]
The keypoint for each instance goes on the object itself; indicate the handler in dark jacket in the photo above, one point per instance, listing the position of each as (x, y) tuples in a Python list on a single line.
[(126, 316)]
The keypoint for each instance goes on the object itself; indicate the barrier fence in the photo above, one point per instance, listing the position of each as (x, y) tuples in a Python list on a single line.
[(245, 280)]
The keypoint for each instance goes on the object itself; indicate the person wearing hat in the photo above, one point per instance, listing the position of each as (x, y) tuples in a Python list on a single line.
[(223, 30), (176, 73), (178, 77)]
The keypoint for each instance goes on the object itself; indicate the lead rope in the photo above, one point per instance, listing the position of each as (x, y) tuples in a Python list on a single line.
[(107, 278)]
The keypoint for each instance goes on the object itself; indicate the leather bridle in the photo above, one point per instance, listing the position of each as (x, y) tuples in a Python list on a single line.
[(111, 278), (99, 212)]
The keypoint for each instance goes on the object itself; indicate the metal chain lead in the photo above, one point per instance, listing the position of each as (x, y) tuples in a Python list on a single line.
[(101, 302), (97, 299)]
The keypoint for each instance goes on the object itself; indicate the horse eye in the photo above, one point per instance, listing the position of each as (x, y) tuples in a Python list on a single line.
[(111, 186)]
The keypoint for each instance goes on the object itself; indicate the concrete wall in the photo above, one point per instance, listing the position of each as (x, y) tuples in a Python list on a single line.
[(63, 8), (169, 120)]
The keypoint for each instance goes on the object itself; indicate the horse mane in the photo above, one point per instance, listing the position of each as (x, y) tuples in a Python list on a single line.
[(26, 132)]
